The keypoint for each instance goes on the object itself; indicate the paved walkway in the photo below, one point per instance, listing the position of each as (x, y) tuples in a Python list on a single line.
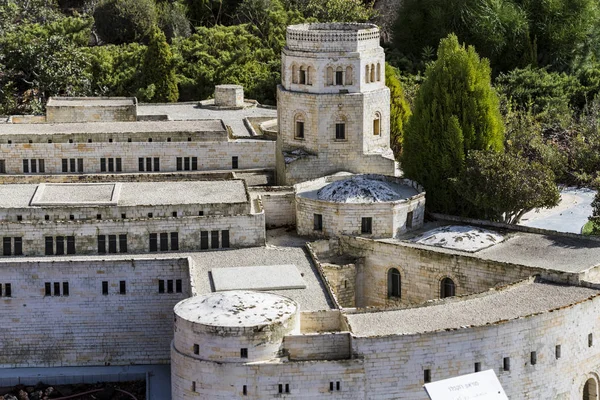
[(569, 216), (158, 384)]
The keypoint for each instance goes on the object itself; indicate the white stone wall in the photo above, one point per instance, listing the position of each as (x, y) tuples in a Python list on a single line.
[(229, 96), (244, 231), (279, 205), (87, 327), (211, 155), (123, 109)]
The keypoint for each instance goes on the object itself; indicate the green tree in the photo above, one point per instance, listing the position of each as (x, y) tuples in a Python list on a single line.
[(172, 20), (456, 110), (125, 21), (158, 71), (334, 10), (399, 109), (210, 13), (504, 186), (594, 219), (115, 70)]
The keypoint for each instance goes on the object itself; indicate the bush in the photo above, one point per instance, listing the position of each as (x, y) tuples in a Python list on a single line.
[(125, 21)]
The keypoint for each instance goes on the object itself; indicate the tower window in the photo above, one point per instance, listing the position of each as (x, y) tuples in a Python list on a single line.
[(299, 133), (447, 288), (366, 225), (377, 125), (340, 131), (302, 77), (318, 222), (339, 76), (409, 220)]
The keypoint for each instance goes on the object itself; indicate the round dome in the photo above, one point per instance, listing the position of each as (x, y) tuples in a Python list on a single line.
[(359, 189), (236, 309)]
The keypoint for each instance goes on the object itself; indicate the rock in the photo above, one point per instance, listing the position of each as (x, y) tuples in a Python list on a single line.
[(22, 395)]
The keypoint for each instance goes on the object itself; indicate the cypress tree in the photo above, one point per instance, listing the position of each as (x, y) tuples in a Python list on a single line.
[(399, 109), (456, 110), (160, 82)]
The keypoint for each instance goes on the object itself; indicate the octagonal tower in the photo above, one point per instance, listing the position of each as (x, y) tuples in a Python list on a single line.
[(333, 105)]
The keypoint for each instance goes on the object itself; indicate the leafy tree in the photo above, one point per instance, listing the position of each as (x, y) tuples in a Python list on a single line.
[(158, 71), (212, 12), (399, 109), (115, 69), (504, 186), (173, 21), (456, 110), (594, 219), (125, 21), (334, 10)]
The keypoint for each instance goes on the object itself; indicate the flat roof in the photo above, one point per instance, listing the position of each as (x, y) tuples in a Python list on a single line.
[(91, 101), (516, 301), (122, 194), (196, 126)]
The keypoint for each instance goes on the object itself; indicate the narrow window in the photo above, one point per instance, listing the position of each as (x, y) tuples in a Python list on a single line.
[(378, 72), (47, 289), (103, 165), (141, 164), (57, 288), (506, 363), (302, 76), (64, 165), (234, 162), (557, 351), (25, 166), (164, 241), (447, 288), (101, 244), (2, 166), (42, 165), (409, 220), (337, 386), (280, 388), (122, 287), (590, 340), (186, 163), (174, 241), (287, 387), (18, 246), (6, 246), (33, 165), (105, 288), (203, 240), (80, 165), (194, 163), (477, 366), (340, 131), (245, 390), (299, 130), (111, 165), (339, 77), (331, 386), (225, 239), (65, 288), (533, 358), (394, 282), (60, 245), (123, 243), (49, 246), (156, 164), (8, 290), (377, 125), (170, 286), (148, 164), (366, 225), (72, 162), (329, 76), (153, 242), (349, 76), (193, 386), (318, 222), (47, 217), (372, 69), (214, 239), (118, 164), (70, 244), (112, 243), (367, 75), (427, 375), (294, 74), (244, 353), (178, 286), (196, 349), (161, 286)]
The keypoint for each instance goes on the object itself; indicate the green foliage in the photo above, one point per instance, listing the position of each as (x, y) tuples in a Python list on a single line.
[(115, 69), (504, 186), (212, 12), (173, 21), (560, 34), (456, 110), (334, 10), (399, 109), (549, 96), (226, 55), (125, 21), (592, 227), (158, 72)]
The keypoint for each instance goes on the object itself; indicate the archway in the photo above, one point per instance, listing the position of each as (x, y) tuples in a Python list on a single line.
[(590, 390)]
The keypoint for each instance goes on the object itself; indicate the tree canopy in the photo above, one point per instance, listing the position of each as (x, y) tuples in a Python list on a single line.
[(456, 110), (399, 109)]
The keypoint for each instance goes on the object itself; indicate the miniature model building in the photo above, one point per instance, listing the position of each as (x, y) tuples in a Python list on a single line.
[(136, 236)]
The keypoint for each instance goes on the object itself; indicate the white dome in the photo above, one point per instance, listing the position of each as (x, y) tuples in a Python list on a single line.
[(359, 189)]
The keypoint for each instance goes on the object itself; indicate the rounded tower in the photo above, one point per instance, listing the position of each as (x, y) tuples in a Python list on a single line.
[(216, 334), (333, 104)]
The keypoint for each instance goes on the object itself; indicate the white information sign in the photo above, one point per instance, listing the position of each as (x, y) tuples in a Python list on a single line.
[(478, 386)]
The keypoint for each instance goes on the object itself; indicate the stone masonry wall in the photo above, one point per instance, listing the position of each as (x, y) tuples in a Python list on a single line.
[(421, 271), (244, 231), (210, 155), (279, 205), (126, 110), (394, 365), (332, 346), (86, 327)]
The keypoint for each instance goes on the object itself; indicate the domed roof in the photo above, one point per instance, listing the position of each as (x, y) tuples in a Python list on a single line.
[(236, 308), (359, 189)]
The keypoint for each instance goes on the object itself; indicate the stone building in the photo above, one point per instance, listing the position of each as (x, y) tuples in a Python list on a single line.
[(155, 252)]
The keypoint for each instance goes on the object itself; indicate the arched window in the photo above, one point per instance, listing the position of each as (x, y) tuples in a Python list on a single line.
[(299, 126), (309, 75), (339, 76), (378, 72), (372, 78), (302, 76), (367, 73), (329, 76), (294, 74), (590, 390), (377, 124), (394, 283), (349, 74), (447, 288)]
